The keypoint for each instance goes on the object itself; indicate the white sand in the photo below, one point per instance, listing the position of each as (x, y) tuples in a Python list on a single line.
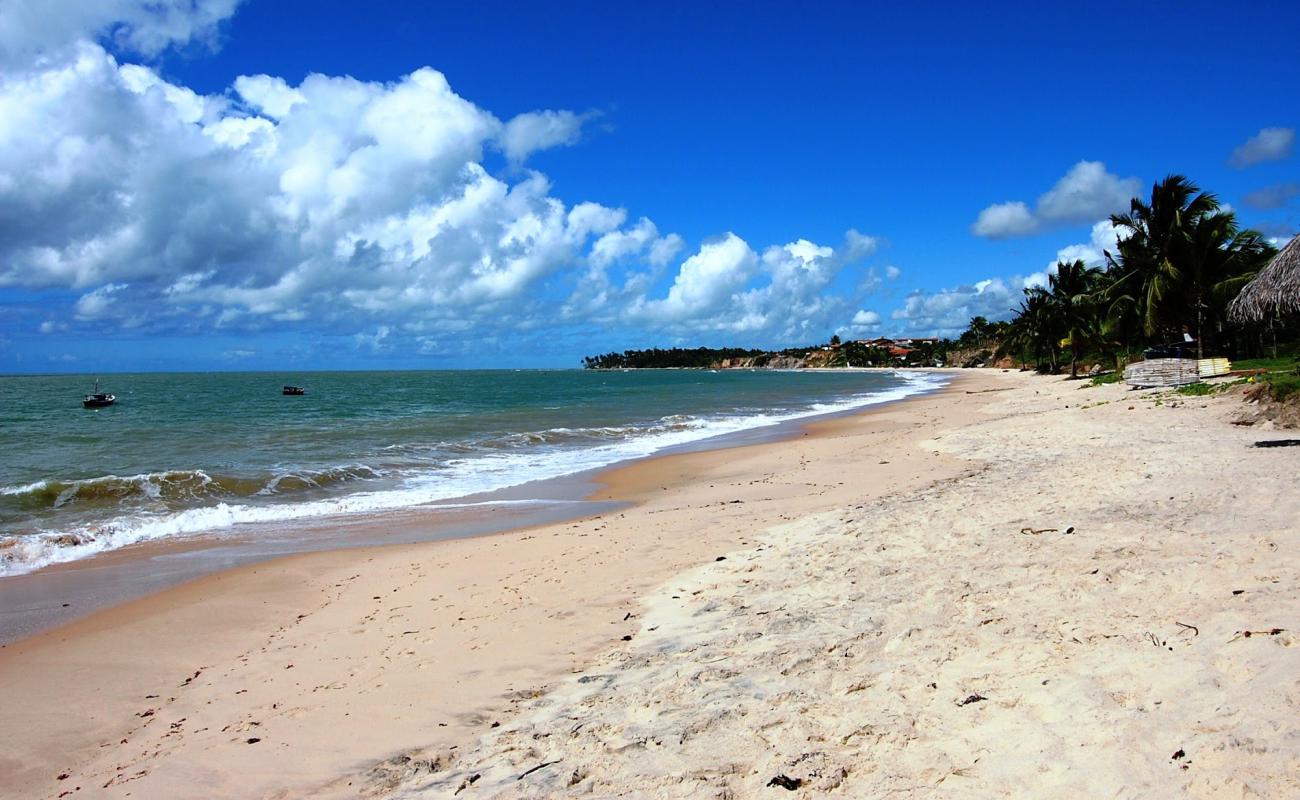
[(923, 645)]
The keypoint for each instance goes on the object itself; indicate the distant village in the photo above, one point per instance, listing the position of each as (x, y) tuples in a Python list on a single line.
[(895, 348)]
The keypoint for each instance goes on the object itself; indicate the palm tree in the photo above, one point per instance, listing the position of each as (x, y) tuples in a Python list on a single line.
[(1222, 258), (1035, 330), (1073, 290), (1149, 266)]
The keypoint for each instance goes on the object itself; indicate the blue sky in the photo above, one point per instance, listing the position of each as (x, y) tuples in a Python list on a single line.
[(294, 185)]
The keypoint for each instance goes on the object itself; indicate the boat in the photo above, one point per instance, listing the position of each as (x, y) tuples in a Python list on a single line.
[(294, 390), (98, 399)]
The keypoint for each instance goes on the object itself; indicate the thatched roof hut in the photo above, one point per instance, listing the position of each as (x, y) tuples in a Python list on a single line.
[(1275, 290)]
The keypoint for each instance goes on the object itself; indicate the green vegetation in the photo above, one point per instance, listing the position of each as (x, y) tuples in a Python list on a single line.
[(1197, 389), (1282, 385), (1180, 260), (1105, 378)]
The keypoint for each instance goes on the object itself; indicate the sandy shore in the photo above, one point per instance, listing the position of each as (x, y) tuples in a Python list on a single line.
[(888, 605)]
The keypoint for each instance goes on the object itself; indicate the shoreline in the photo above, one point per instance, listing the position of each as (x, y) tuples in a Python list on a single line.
[(1044, 590), (247, 610), (62, 592)]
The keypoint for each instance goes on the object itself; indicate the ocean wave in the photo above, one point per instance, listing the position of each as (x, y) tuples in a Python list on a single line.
[(494, 464), (173, 488)]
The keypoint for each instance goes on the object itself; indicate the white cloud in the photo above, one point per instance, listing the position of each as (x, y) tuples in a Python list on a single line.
[(376, 342), (1270, 198), (1270, 144), (29, 28), (1086, 192), (528, 133), (268, 95), (779, 296), (1104, 238), (892, 272), (93, 305), (1005, 220), (360, 208), (858, 245), (706, 282), (948, 311)]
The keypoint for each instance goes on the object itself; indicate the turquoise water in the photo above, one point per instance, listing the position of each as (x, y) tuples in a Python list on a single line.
[(195, 454)]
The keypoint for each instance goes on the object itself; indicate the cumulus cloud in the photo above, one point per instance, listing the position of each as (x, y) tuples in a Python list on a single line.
[(1270, 144), (1005, 220), (779, 295), (267, 95), (706, 283), (358, 207), (1271, 197), (863, 323), (315, 201), (30, 28), (1104, 239), (528, 133), (1086, 192), (948, 311)]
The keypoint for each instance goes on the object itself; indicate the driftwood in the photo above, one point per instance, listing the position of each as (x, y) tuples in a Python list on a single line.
[(542, 765)]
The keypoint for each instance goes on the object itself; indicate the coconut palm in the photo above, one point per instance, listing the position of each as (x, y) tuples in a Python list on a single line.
[(1073, 302), (1035, 330), (1221, 260), (1149, 265)]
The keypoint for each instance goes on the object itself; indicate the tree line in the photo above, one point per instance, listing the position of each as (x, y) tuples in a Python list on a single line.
[(676, 357), (1179, 261)]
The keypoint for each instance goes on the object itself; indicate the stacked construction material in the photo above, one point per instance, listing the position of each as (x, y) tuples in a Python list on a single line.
[(1162, 372), (1213, 367)]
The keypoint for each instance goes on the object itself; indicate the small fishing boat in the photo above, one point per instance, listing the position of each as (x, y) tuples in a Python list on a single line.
[(294, 390), (98, 399)]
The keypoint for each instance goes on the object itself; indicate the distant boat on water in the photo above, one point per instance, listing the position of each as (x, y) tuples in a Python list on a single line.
[(294, 390), (98, 399)]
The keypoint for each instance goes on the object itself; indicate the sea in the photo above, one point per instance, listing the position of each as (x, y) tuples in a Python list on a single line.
[(181, 456)]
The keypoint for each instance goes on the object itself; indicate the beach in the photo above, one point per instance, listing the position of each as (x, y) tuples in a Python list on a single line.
[(1016, 586)]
